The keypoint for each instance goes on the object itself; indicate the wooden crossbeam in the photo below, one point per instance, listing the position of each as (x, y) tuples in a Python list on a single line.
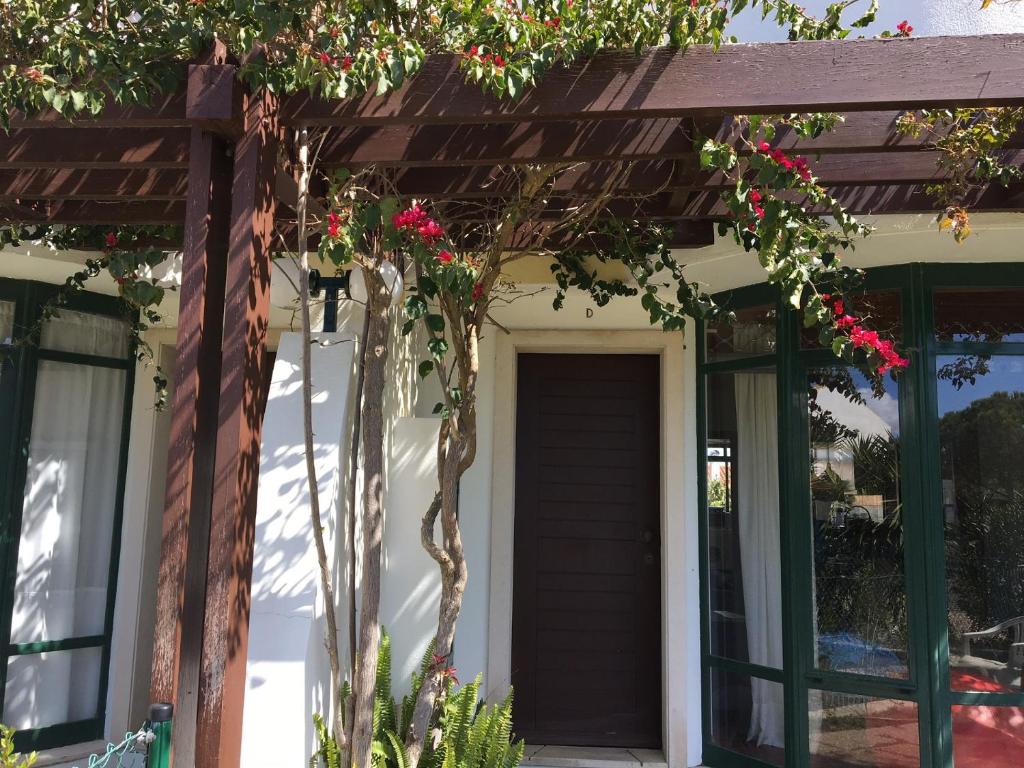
[(589, 179), (96, 212), (105, 184), (94, 148), (404, 146), (734, 80), (165, 111)]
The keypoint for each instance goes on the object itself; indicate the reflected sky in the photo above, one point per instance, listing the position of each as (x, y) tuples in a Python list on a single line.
[(1005, 374)]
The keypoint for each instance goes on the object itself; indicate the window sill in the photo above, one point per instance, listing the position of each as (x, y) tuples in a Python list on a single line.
[(73, 754)]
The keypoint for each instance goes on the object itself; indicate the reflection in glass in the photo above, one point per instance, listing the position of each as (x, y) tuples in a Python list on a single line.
[(735, 723), (745, 573), (981, 442), (860, 617), (6, 322), (49, 688), (752, 333), (848, 731), (983, 314), (988, 737)]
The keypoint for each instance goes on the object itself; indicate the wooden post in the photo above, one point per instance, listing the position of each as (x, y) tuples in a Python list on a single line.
[(232, 524), (181, 583)]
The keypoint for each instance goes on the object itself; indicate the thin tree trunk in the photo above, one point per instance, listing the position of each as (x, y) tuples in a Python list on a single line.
[(326, 583), (350, 521), (374, 365)]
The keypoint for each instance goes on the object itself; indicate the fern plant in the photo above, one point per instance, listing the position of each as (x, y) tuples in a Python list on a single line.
[(466, 733)]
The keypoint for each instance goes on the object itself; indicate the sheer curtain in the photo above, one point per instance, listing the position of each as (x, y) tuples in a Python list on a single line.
[(760, 555), (64, 552)]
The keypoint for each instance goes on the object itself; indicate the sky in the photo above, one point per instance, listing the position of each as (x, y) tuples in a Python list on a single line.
[(749, 28)]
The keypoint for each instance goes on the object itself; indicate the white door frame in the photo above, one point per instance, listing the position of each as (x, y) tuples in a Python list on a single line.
[(680, 614)]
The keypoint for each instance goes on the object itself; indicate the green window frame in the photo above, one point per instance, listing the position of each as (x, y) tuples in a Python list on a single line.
[(17, 401), (929, 682)]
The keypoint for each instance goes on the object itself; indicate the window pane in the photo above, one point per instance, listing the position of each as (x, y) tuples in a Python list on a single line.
[(49, 688), (988, 737), (987, 314), (64, 552), (860, 616), (748, 716), (86, 334), (848, 731), (6, 322), (880, 311), (745, 569), (981, 442), (753, 333)]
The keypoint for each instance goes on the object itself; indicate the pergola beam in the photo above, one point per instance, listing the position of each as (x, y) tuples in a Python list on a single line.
[(981, 71), (410, 146), (94, 148), (105, 184)]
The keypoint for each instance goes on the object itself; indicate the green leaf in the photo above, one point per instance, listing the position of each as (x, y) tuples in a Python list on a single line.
[(435, 323), (426, 368)]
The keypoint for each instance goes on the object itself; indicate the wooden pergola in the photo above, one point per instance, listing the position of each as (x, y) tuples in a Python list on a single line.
[(208, 157)]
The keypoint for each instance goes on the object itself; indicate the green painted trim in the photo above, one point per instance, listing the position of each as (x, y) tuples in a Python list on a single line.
[(59, 735), (737, 667), (720, 757), (741, 364), (48, 646), (76, 358)]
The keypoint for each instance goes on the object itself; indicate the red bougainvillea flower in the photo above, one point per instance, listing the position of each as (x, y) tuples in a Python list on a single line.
[(498, 61), (416, 220), (110, 240), (445, 257), (346, 63), (904, 29), (764, 146), (333, 224), (554, 23), (694, 3), (755, 196), (325, 58), (478, 291)]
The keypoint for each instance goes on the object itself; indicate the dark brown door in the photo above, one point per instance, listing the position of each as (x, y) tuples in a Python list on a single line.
[(586, 611)]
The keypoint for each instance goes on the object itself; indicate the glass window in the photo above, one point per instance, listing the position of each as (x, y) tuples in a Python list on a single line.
[(6, 322), (981, 442), (848, 731), (988, 737), (860, 600), (86, 334), (748, 716), (982, 314), (745, 576), (70, 497), (752, 333), (50, 688)]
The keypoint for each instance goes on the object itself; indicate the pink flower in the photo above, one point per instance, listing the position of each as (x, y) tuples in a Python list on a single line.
[(846, 321), (759, 211), (445, 257), (904, 29), (764, 146), (755, 196)]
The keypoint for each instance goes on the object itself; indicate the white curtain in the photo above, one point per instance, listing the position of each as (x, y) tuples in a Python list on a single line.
[(64, 552), (760, 556)]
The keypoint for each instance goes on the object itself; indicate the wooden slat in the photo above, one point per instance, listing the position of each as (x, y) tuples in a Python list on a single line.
[(876, 200), (94, 148), (233, 518), (647, 177), (75, 184), (165, 111), (736, 79), (97, 212), (408, 146)]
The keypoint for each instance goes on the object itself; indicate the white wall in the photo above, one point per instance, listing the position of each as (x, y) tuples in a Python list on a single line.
[(287, 671)]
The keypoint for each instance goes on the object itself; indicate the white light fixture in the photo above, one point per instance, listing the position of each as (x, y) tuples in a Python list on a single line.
[(388, 272)]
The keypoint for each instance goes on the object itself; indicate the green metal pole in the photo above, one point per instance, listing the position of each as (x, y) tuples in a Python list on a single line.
[(160, 720)]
